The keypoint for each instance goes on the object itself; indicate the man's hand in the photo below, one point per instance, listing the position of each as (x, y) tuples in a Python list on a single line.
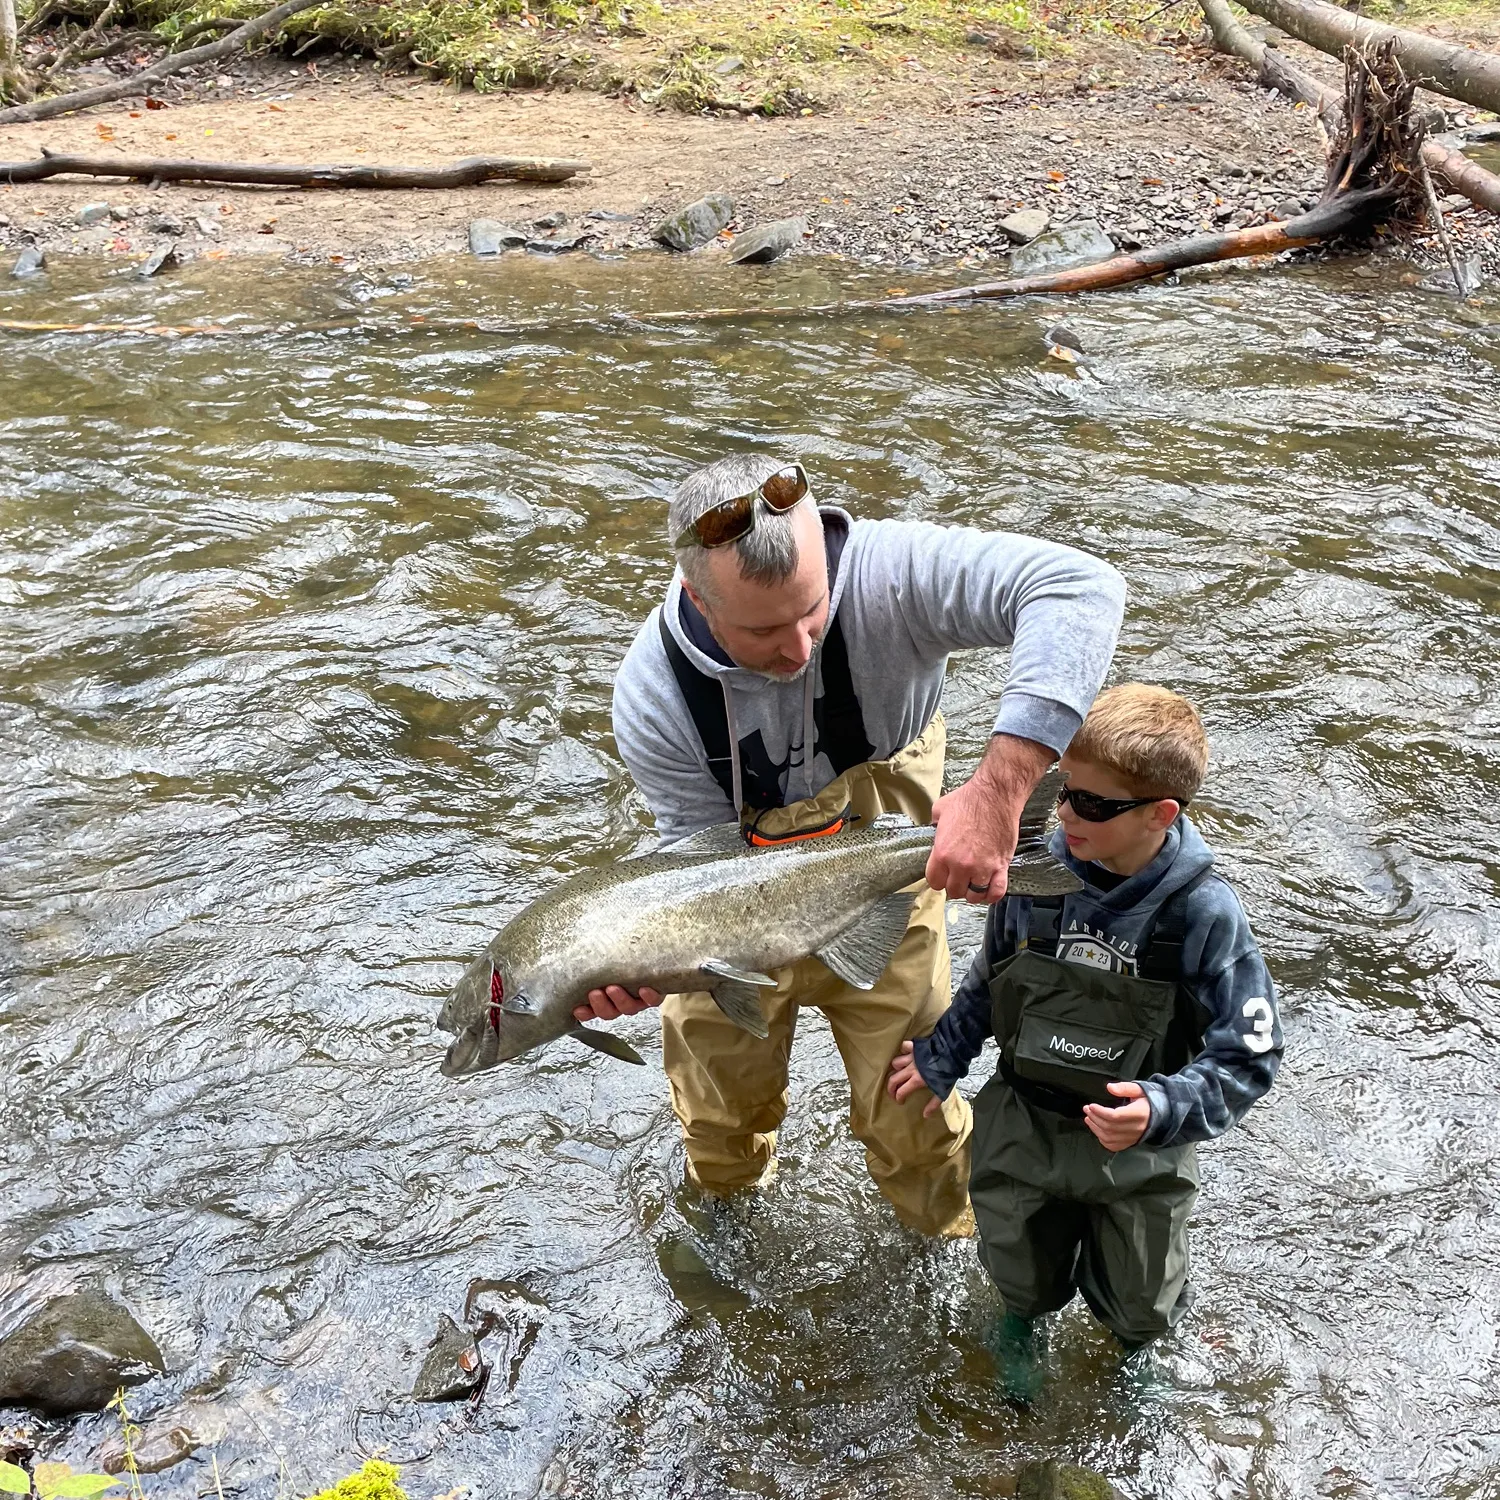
[(977, 823), (1122, 1127), (614, 1001), (905, 1081)]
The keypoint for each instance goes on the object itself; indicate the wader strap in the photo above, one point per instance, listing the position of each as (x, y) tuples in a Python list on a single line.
[(1162, 955), (705, 702), (838, 719), (1039, 1094), (1043, 926)]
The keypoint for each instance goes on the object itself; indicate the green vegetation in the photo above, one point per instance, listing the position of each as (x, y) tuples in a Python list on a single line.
[(780, 59), (376, 1481)]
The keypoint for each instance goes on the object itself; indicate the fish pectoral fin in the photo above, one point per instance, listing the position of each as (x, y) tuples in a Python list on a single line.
[(739, 999), (720, 838), (521, 1004), (859, 954), (602, 1041), (721, 968)]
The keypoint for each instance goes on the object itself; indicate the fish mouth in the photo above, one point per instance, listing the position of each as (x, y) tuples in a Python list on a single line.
[(462, 1057)]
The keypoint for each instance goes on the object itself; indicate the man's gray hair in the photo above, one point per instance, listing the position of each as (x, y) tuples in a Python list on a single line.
[(767, 553)]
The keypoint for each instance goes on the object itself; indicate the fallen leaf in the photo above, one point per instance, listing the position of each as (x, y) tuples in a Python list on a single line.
[(105, 132), (119, 244), (1057, 176), (208, 132), (895, 291), (269, 227), (169, 137), (215, 254), (276, 109), (1152, 182), (135, 114), (156, 104)]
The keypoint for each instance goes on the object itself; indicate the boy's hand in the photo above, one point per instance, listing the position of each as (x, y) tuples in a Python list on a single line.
[(905, 1080), (1119, 1128)]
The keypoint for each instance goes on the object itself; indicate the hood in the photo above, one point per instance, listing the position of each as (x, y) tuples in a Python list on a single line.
[(837, 523), (1124, 912)]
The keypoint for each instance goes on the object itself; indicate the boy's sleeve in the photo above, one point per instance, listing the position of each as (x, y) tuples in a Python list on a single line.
[(1242, 1042), (958, 1038)]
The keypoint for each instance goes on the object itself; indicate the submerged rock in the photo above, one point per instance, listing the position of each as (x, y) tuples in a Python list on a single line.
[(1471, 278), (1061, 249), (163, 260), (453, 1367), (556, 244), (696, 224), (770, 241), (155, 1450), (490, 237), (29, 262), (74, 1354), (1050, 1480), (1023, 227)]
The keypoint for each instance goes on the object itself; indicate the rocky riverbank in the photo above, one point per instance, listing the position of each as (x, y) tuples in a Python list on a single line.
[(1152, 143)]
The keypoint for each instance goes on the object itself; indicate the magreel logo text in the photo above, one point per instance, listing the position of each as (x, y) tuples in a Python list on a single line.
[(1079, 1053)]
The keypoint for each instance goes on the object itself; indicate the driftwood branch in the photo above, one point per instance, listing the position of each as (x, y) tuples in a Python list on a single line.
[(175, 62), (1441, 156), (464, 173), (84, 40), (1444, 67)]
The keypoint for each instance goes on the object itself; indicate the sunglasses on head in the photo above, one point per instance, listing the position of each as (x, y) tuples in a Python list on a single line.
[(1093, 808), (731, 519)]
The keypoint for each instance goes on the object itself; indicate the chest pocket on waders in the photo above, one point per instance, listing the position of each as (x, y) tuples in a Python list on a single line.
[(1067, 1031)]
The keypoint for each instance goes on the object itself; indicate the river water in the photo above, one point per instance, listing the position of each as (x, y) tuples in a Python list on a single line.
[(306, 665)]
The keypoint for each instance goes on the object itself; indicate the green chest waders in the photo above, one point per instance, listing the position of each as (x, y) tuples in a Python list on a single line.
[(1067, 1030), (1057, 1213)]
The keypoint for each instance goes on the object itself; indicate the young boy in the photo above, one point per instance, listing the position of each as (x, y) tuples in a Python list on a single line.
[(1134, 1019)]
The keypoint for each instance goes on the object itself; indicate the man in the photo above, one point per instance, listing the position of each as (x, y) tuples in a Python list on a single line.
[(793, 676)]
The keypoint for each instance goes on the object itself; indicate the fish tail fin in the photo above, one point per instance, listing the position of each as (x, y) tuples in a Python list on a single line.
[(1037, 812)]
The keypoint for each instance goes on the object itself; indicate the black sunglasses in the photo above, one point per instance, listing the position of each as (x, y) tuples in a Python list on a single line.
[(1093, 808), (731, 519)]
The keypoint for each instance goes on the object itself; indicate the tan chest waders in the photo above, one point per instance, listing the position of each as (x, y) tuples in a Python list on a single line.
[(729, 1089)]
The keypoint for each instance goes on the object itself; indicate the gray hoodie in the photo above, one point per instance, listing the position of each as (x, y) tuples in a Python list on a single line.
[(906, 593)]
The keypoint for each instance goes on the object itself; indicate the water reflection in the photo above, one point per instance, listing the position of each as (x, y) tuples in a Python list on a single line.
[(308, 654)]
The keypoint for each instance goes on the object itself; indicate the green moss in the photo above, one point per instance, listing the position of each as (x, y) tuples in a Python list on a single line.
[(376, 1481)]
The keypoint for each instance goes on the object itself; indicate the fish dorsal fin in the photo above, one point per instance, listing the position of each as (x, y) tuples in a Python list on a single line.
[(1038, 810), (721, 838), (889, 822), (859, 954), (602, 1041), (736, 992)]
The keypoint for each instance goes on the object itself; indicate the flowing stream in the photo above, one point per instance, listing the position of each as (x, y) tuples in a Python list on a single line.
[(306, 666)]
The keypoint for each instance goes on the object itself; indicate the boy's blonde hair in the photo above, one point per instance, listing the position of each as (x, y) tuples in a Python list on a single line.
[(1149, 737)]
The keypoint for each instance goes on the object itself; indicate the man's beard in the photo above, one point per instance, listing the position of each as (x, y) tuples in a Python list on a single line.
[(794, 676)]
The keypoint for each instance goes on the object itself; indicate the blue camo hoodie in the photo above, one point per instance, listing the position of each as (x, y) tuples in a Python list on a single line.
[(1221, 968)]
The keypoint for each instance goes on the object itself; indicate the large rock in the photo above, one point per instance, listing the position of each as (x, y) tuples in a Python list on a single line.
[(768, 242), (74, 1354), (696, 224), (490, 237), (453, 1366), (1050, 1480), (1061, 249), (29, 262), (92, 213), (1023, 227)]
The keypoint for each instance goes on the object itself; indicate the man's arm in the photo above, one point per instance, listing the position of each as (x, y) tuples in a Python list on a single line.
[(1059, 611)]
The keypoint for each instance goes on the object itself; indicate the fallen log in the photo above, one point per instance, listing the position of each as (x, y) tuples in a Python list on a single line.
[(1444, 67), (465, 173), (173, 62), (1273, 71), (1441, 154)]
